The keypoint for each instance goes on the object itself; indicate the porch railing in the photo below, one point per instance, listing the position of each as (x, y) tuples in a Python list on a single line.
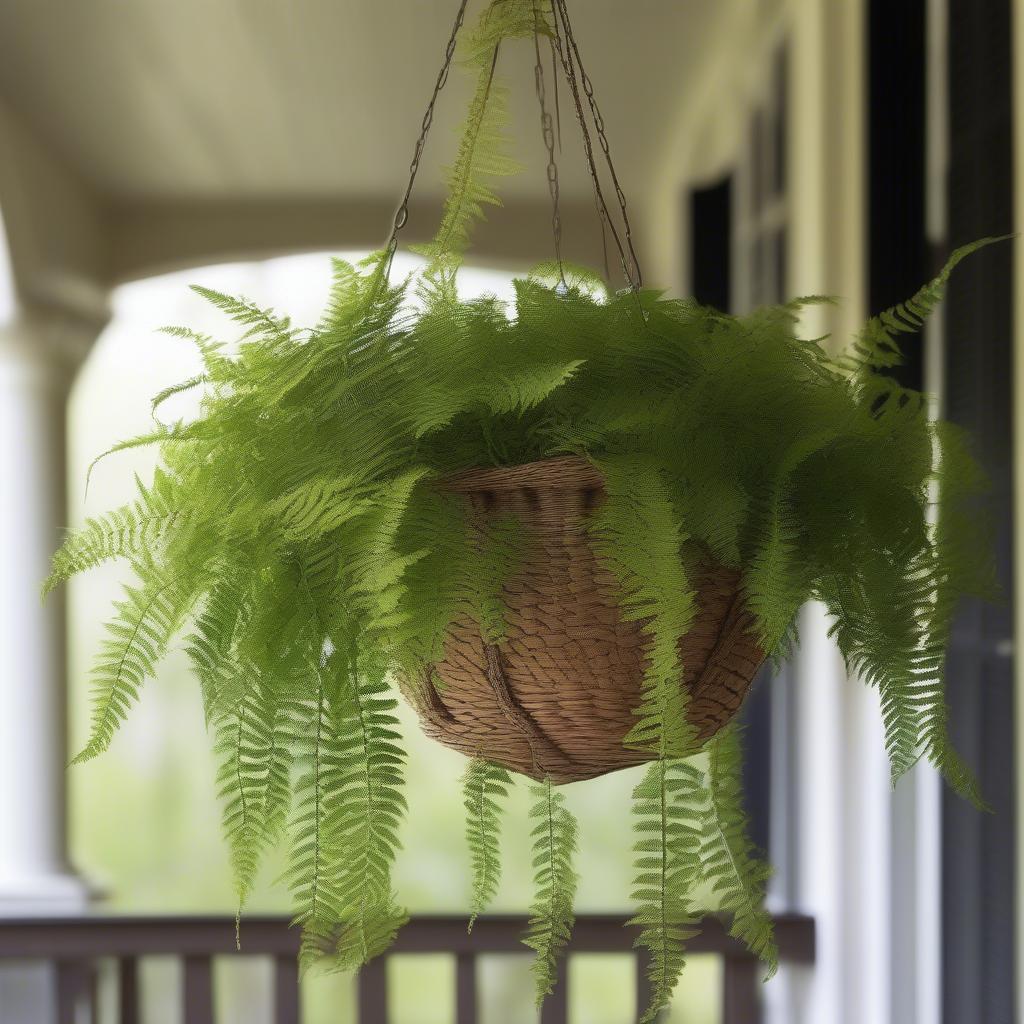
[(75, 945)]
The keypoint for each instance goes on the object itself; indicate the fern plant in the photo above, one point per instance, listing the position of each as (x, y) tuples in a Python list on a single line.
[(295, 539)]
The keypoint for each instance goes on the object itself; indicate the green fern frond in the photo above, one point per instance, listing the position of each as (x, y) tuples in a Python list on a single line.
[(259, 321), (313, 866), (254, 745), (876, 345), (212, 646), (728, 858), (350, 808), (551, 913), (137, 639), (638, 534), (209, 349), (483, 786), (164, 434), (482, 149), (131, 530), (667, 818), (176, 389), (370, 809)]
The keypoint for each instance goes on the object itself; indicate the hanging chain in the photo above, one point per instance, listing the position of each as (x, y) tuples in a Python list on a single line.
[(402, 213), (588, 89), (570, 58), (568, 69), (548, 131)]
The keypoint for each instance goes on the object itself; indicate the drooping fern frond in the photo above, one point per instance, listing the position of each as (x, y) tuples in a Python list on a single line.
[(370, 812), (484, 785), (138, 526), (254, 743), (315, 855), (728, 859), (554, 837), (667, 818), (137, 639), (350, 811), (639, 535)]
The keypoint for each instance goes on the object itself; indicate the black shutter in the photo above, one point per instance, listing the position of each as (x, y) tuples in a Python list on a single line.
[(897, 254), (978, 849)]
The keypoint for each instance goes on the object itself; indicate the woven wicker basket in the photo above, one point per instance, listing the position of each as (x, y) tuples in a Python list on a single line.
[(557, 696)]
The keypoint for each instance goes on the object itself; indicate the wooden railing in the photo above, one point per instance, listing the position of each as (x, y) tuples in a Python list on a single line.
[(76, 944)]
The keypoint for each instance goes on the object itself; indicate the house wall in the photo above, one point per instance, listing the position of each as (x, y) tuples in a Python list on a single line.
[(859, 856)]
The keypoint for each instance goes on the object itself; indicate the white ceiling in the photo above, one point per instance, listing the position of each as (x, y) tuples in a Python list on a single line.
[(286, 99)]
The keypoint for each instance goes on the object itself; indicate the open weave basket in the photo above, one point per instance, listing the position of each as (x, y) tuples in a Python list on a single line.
[(556, 698)]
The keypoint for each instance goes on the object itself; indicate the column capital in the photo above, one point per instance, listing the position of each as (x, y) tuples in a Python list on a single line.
[(55, 326)]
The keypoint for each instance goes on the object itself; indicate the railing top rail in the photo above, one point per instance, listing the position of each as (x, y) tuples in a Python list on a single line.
[(90, 936)]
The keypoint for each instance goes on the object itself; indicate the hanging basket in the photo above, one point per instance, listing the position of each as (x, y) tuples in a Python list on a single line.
[(556, 698)]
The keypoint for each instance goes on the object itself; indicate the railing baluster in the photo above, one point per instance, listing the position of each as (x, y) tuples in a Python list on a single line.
[(465, 989), (373, 992), (198, 990), (741, 1003), (644, 990), (68, 986), (556, 1006), (286, 990), (127, 990)]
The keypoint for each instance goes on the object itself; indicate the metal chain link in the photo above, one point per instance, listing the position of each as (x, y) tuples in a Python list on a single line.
[(570, 59), (548, 132), (402, 213), (564, 56)]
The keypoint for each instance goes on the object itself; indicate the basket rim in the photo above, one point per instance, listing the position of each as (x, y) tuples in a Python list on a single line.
[(561, 472)]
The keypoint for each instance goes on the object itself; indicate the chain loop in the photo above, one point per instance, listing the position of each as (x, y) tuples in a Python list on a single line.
[(548, 132), (402, 213)]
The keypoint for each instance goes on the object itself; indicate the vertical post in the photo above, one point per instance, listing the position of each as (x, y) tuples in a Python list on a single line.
[(127, 991), (286, 990), (38, 358), (741, 1002), (465, 989), (69, 977), (197, 990), (373, 992), (556, 1006)]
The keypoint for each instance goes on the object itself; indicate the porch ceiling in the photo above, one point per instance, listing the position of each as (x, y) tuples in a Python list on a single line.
[(308, 99)]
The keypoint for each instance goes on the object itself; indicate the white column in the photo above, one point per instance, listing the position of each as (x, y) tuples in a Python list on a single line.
[(39, 356)]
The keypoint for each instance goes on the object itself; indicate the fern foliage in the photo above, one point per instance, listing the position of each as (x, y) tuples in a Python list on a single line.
[(728, 859), (484, 785), (554, 837), (668, 823), (296, 539)]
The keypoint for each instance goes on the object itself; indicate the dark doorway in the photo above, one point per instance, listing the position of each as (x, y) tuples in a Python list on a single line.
[(711, 245)]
